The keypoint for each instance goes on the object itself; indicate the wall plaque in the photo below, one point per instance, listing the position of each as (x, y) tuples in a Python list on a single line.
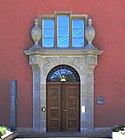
[(13, 94), (100, 100)]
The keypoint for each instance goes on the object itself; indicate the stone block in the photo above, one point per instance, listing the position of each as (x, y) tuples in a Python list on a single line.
[(13, 108)]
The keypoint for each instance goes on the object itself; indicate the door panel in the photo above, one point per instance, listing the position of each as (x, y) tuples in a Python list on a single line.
[(53, 107), (72, 106), (63, 106)]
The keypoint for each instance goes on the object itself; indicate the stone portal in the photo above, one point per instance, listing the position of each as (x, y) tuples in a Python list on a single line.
[(83, 61)]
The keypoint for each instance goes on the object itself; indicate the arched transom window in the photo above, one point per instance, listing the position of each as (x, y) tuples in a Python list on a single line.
[(63, 73), (63, 30)]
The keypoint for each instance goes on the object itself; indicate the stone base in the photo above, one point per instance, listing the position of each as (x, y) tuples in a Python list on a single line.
[(96, 132), (35, 46)]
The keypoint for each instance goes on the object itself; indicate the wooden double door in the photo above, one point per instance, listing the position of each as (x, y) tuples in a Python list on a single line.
[(63, 106)]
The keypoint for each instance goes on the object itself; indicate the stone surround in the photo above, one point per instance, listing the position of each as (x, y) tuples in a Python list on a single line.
[(83, 61)]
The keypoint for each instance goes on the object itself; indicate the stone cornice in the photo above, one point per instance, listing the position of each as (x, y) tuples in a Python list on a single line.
[(63, 52)]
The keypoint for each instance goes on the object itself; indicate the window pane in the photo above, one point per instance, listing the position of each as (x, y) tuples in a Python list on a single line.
[(48, 42), (63, 42), (48, 23), (63, 20), (63, 31), (78, 23), (78, 33), (77, 42), (48, 33)]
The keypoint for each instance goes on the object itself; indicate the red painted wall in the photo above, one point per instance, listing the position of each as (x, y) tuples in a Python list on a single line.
[(16, 21)]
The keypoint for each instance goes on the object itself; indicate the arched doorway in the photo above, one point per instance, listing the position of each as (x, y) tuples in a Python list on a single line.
[(42, 62), (63, 99)]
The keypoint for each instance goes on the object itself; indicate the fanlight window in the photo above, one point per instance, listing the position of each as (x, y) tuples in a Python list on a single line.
[(63, 73), (63, 30)]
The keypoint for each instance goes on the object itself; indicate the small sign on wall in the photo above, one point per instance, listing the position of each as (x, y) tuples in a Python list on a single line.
[(83, 109), (100, 100)]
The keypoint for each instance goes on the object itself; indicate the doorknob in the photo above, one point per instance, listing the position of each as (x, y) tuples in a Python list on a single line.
[(65, 110)]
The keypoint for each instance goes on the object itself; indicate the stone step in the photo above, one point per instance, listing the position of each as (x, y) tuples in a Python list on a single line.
[(64, 134)]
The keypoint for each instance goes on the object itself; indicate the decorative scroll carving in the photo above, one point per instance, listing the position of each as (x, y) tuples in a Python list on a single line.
[(62, 60), (79, 62), (91, 60), (50, 61)]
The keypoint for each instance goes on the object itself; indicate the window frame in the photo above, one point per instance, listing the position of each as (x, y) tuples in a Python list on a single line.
[(71, 17)]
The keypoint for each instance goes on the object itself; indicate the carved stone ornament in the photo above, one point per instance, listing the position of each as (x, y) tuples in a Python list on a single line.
[(89, 35), (36, 35)]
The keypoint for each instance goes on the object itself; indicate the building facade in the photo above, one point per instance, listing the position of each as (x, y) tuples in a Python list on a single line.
[(69, 71)]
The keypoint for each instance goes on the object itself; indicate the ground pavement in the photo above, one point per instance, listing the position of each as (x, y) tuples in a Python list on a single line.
[(74, 136), (69, 139)]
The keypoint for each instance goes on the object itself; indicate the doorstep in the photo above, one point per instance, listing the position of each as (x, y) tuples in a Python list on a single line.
[(64, 135)]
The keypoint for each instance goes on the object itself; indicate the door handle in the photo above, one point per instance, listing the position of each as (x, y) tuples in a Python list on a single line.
[(64, 110)]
